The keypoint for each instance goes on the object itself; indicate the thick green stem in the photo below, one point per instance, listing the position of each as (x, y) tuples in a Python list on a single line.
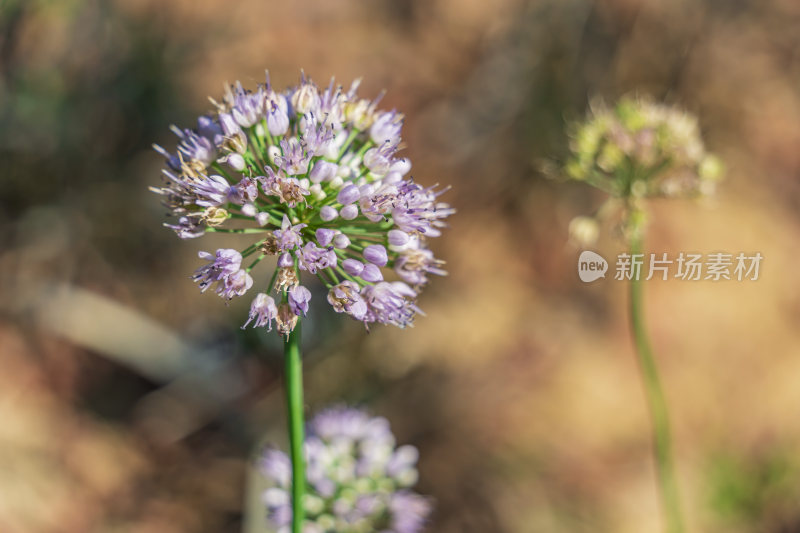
[(294, 398), (662, 441)]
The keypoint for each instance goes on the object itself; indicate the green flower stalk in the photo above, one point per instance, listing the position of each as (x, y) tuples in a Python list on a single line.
[(634, 151)]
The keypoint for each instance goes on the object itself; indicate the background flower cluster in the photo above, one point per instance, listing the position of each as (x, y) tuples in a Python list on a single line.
[(358, 479)]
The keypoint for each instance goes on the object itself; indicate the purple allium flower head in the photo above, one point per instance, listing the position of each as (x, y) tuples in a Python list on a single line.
[(354, 481), (314, 177)]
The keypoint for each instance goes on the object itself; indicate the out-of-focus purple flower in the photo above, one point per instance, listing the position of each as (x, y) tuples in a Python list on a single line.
[(209, 129), (354, 483), (276, 465), (409, 512)]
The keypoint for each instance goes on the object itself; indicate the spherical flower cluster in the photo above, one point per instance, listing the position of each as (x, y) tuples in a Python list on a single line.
[(314, 176), (639, 149), (636, 150), (358, 480)]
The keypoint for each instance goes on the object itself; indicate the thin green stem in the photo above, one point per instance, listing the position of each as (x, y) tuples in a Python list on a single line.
[(216, 166), (294, 399), (353, 134), (254, 263), (657, 404), (272, 280)]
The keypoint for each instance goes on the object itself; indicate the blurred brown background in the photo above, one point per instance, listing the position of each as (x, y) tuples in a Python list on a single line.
[(131, 403)]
